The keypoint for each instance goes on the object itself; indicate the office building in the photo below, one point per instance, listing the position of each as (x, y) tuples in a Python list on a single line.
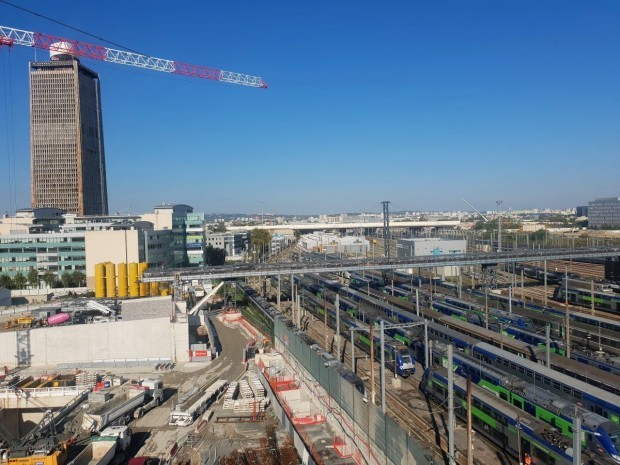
[(67, 158), (604, 213)]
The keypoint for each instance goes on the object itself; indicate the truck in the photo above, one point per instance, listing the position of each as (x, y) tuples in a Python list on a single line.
[(130, 402), (102, 449)]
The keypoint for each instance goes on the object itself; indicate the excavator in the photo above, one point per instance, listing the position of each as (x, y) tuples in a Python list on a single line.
[(40, 446)]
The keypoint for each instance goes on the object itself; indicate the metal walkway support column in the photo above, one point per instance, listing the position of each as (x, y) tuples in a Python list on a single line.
[(451, 460), (337, 310), (382, 366), (386, 228), (279, 293), (577, 438)]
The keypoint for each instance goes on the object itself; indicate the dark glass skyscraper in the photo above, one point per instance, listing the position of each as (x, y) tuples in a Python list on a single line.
[(67, 158)]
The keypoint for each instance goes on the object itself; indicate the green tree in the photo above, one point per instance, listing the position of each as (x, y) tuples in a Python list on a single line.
[(19, 280), (297, 234), (33, 277), (79, 278), (6, 281), (49, 278), (219, 227), (67, 280), (260, 238), (214, 256)]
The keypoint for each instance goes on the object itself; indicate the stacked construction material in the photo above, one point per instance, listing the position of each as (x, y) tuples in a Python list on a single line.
[(257, 387), (245, 390), (85, 378), (230, 395)]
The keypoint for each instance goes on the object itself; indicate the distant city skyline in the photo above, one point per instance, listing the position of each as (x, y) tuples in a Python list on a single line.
[(421, 104)]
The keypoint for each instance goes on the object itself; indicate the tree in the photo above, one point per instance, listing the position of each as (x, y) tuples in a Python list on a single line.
[(79, 278), (6, 281), (49, 278), (297, 234), (19, 280), (33, 277), (219, 227), (260, 238), (214, 256), (67, 280)]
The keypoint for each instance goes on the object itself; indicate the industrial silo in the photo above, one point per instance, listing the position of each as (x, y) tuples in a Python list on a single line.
[(100, 280), (144, 287), (134, 289), (123, 285), (110, 280)]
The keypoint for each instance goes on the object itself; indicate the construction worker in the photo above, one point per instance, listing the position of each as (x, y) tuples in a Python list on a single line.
[(527, 460)]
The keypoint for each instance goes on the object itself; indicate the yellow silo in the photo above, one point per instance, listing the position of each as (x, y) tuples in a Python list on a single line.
[(154, 289), (134, 289), (110, 279), (123, 287), (100, 280), (144, 287)]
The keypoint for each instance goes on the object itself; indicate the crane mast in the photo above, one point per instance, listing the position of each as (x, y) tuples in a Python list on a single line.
[(11, 36)]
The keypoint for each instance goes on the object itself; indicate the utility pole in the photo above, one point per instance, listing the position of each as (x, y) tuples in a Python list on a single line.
[(337, 310), (279, 307), (325, 322), (567, 324), (499, 226), (486, 306), (592, 295), (470, 446), (577, 438), (425, 344), (545, 280), (386, 228), (548, 345), (451, 457), (381, 324), (417, 302), (372, 361)]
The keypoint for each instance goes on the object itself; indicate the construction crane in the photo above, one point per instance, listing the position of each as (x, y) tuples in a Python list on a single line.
[(10, 36)]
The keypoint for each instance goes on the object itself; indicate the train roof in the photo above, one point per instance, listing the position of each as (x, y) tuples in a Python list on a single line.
[(552, 374), (514, 413)]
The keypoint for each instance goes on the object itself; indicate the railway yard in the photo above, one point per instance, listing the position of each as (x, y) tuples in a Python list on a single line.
[(523, 406)]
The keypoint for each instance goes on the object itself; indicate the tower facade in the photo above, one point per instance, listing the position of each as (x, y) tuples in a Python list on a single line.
[(67, 158)]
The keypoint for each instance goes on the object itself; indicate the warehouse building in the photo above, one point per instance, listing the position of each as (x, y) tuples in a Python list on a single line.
[(427, 246)]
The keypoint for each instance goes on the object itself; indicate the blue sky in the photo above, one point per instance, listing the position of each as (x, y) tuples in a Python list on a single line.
[(417, 102)]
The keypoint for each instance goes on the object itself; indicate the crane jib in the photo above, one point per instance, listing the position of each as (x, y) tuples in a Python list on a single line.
[(11, 36)]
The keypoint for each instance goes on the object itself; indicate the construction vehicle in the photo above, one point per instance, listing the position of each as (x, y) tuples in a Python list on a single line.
[(10, 324), (102, 449), (55, 456), (131, 402), (25, 321)]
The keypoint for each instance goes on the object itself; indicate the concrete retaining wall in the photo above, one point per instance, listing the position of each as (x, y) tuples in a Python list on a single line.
[(120, 340)]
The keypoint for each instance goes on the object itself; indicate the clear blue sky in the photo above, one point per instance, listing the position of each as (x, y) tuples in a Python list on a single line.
[(419, 102)]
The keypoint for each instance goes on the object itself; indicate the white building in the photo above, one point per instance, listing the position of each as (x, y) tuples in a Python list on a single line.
[(331, 243), (427, 246)]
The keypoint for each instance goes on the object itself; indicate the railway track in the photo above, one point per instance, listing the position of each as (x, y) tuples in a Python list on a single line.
[(427, 425)]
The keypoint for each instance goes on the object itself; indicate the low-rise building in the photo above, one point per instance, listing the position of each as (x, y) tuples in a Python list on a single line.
[(428, 246), (334, 244)]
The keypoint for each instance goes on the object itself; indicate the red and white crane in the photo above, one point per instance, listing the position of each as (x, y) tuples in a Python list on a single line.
[(11, 36)]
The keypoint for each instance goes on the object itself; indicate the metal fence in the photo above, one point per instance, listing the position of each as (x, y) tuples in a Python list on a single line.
[(359, 422)]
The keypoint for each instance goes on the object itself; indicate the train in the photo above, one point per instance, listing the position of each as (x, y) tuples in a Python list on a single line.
[(588, 396), (510, 428), (601, 434), (465, 337), (397, 356), (604, 301)]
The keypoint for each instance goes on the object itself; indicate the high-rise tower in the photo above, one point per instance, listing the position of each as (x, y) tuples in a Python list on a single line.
[(67, 159)]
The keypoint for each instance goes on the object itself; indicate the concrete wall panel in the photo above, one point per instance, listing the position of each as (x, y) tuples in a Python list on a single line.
[(122, 340)]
